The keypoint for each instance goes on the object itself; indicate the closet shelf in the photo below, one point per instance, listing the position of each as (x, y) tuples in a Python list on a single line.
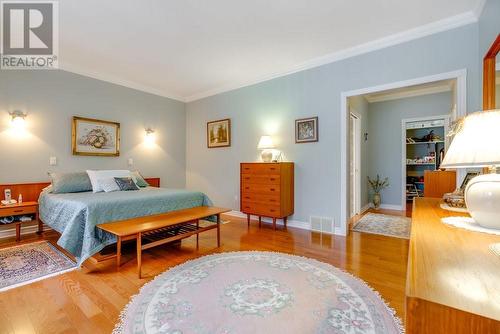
[(426, 142)]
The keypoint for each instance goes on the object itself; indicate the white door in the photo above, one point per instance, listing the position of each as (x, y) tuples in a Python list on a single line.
[(354, 165)]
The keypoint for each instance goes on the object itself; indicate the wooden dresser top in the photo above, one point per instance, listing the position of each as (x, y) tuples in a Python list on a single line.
[(452, 266)]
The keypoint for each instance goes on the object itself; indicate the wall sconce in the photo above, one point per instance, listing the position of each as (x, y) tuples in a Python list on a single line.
[(150, 136), (18, 119)]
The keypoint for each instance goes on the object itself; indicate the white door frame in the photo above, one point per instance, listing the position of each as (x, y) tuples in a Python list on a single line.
[(403, 141), (461, 101), (357, 161)]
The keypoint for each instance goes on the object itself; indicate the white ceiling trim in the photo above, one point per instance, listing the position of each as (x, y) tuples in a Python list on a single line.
[(408, 93), (402, 37), (479, 8), (118, 81), (391, 40)]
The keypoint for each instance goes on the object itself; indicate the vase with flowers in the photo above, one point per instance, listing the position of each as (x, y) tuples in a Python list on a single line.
[(377, 185)]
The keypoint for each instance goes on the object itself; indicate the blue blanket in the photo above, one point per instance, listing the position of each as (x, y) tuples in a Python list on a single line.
[(76, 215)]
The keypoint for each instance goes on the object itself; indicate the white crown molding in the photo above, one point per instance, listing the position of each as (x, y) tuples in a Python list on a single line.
[(407, 93), (118, 81), (391, 40), (479, 8)]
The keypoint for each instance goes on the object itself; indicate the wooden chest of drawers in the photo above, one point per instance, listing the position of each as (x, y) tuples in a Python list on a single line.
[(266, 190)]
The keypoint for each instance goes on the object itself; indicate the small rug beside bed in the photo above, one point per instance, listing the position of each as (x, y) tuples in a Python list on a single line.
[(388, 225), (257, 292), (24, 264)]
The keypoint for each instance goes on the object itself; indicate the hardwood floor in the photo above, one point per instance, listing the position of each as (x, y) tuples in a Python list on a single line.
[(89, 300)]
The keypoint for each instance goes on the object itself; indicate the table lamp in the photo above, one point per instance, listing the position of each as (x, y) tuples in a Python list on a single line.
[(266, 145), (477, 144)]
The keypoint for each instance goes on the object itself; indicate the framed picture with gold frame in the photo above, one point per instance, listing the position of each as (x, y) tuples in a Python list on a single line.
[(94, 137), (219, 133)]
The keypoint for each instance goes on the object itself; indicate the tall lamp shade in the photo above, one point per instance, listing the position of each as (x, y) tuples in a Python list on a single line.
[(266, 144), (477, 144)]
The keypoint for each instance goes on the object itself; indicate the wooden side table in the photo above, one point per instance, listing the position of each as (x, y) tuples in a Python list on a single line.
[(18, 210)]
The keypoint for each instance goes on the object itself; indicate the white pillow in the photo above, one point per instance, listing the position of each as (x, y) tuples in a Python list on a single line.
[(96, 175), (108, 184)]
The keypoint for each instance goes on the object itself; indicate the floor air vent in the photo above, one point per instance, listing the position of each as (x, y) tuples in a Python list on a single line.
[(322, 224)]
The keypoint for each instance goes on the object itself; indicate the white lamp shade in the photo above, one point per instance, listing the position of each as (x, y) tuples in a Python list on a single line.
[(477, 144), (265, 142)]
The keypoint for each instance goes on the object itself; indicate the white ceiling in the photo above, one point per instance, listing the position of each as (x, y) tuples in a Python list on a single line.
[(187, 49)]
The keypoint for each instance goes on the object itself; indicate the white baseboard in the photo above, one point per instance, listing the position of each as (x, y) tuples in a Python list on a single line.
[(391, 207), (366, 208), (383, 206), (291, 223)]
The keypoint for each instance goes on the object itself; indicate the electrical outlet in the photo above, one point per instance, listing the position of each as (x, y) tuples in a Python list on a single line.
[(53, 161), (130, 162)]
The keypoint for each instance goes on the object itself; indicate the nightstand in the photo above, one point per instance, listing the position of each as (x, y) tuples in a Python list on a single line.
[(19, 210)]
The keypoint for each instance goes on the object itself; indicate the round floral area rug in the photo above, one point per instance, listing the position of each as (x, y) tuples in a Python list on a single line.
[(257, 292)]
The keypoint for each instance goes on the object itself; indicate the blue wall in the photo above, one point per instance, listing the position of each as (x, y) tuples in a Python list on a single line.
[(272, 106), (385, 137)]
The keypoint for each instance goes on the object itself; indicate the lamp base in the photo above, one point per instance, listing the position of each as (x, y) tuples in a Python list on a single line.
[(482, 196), (267, 155)]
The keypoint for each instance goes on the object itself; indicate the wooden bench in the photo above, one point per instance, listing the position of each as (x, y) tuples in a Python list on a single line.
[(151, 231)]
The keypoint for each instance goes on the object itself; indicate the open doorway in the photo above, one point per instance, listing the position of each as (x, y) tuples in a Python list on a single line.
[(401, 134)]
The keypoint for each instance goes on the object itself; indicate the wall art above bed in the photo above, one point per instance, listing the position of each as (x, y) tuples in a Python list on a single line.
[(95, 137)]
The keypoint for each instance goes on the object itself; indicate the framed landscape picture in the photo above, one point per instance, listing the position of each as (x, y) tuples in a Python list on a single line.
[(219, 133), (95, 137), (306, 130)]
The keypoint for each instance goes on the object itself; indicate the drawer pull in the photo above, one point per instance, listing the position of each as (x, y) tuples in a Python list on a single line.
[(272, 200), (247, 188), (16, 211), (272, 179), (247, 207), (247, 197), (272, 168), (272, 189), (247, 178), (272, 210)]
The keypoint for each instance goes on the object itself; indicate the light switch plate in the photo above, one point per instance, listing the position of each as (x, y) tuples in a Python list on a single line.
[(130, 162), (53, 161)]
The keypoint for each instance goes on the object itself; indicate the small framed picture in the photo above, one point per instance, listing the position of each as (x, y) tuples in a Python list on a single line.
[(467, 178), (306, 130), (95, 137), (219, 133)]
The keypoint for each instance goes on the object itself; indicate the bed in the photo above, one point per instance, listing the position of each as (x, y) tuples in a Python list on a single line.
[(75, 215)]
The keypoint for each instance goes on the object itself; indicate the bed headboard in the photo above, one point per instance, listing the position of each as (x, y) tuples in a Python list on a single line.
[(31, 191)]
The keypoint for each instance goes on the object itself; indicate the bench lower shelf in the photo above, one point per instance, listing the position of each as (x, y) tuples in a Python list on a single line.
[(150, 239)]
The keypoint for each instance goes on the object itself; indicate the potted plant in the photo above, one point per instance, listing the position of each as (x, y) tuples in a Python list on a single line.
[(377, 185)]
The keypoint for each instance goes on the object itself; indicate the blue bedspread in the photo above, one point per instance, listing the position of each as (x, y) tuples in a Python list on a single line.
[(76, 215)]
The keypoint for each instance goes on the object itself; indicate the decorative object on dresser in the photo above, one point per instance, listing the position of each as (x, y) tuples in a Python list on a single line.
[(306, 130), (452, 277), (266, 145), (219, 133), (95, 137), (477, 145), (267, 190)]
